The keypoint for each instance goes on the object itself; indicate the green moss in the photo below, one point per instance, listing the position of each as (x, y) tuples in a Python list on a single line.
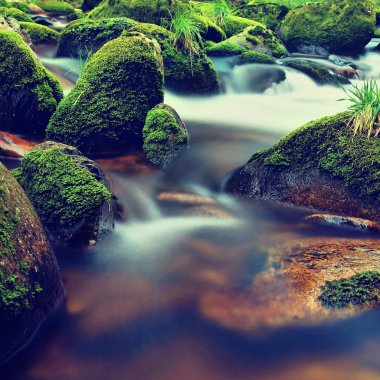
[(16, 4), (3, 3), (40, 34), (63, 192), (84, 36), (225, 48), (14, 13), (363, 288), (328, 146), (107, 108), (164, 136), (22, 76), (16, 292), (277, 159), (58, 7), (267, 13), (234, 25), (255, 57), (338, 25), (196, 75), (151, 11)]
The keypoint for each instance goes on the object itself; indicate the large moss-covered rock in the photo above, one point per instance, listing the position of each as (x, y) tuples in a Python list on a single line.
[(40, 34), (152, 11), (14, 13), (269, 14), (320, 166), (194, 74), (106, 110), (257, 37), (58, 7), (165, 135), (30, 282), (337, 25), (86, 36), (69, 192), (28, 93)]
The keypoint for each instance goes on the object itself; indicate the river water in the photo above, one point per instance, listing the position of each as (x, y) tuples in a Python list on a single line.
[(137, 304)]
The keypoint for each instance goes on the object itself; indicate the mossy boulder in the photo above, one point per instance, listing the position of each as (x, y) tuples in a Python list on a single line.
[(234, 24), (255, 38), (151, 11), (82, 37), (40, 34), (14, 13), (336, 25), (321, 166), (165, 135), (106, 110), (28, 93), (268, 13), (30, 282), (19, 5), (249, 57), (318, 72), (69, 192), (57, 7), (183, 73)]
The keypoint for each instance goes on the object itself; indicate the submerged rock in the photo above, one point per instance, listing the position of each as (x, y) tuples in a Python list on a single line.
[(318, 72), (344, 222), (165, 135), (321, 166), (295, 287), (29, 94), (14, 146), (106, 111), (336, 25), (30, 282), (69, 191)]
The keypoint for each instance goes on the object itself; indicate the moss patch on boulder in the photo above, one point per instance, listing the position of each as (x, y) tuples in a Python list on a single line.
[(30, 283), (14, 13), (86, 36), (268, 13), (28, 93), (58, 7), (325, 169), (106, 110), (40, 34), (357, 290), (165, 135), (68, 197), (336, 25), (195, 74)]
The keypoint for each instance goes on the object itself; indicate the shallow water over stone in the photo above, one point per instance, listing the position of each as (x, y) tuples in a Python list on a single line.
[(169, 294)]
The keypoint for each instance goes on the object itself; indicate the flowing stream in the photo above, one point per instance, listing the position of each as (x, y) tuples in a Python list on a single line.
[(133, 306)]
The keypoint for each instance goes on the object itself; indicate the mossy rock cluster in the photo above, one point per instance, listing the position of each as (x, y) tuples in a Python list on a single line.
[(320, 166), (336, 25), (30, 282), (106, 111), (164, 134), (69, 192), (28, 93), (150, 11), (249, 57), (84, 37), (58, 7), (40, 34), (15, 13), (268, 13), (185, 73), (255, 38), (363, 288)]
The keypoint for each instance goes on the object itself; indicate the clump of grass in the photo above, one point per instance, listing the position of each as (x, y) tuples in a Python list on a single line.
[(364, 108), (221, 10)]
